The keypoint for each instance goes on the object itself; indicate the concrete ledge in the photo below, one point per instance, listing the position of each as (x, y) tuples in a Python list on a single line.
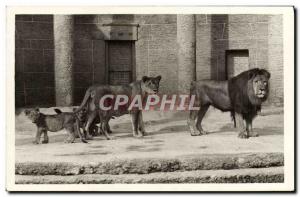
[(151, 165), (260, 175)]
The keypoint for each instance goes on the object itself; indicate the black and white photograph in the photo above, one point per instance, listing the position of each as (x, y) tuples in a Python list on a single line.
[(150, 99)]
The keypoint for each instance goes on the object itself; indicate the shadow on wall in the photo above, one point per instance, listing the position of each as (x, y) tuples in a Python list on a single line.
[(89, 54), (219, 44), (92, 33)]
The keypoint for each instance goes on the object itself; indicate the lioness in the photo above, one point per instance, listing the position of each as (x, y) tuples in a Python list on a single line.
[(54, 123), (242, 95), (148, 85)]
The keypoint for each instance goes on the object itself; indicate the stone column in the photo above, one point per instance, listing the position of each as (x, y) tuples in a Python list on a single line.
[(275, 59), (186, 42), (63, 44)]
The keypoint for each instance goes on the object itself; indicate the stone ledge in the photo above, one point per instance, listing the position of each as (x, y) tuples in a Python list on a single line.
[(152, 165), (259, 175)]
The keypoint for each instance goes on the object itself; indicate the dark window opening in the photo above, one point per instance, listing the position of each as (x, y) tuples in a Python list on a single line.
[(120, 62)]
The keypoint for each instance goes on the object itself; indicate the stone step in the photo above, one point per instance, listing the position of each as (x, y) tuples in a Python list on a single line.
[(152, 165), (249, 175)]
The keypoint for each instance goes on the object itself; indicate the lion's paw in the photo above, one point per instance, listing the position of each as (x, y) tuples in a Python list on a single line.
[(110, 138), (139, 135), (45, 141), (196, 133), (203, 132), (35, 142), (69, 141), (243, 135)]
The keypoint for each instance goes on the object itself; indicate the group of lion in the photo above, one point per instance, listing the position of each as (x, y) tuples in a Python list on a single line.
[(241, 95)]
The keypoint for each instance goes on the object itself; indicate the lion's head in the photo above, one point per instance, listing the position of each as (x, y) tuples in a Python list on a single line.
[(258, 85), (150, 85), (32, 114)]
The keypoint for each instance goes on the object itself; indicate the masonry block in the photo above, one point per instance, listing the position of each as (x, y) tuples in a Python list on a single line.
[(19, 82), (19, 60), (104, 18), (237, 31), (260, 30), (217, 18), (83, 44), (242, 18), (83, 79), (19, 99), (155, 18), (83, 61), (49, 60), (201, 18), (39, 80), (89, 31), (43, 18), (34, 30), (42, 44), (99, 55), (33, 60), (22, 44), (40, 96), (23, 17), (78, 95), (82, 19)]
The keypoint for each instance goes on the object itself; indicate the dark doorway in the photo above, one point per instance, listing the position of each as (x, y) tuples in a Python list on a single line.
[(120, 62), (237, 61)]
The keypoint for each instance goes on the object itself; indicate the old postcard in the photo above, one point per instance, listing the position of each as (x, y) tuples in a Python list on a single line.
[(150, 99)]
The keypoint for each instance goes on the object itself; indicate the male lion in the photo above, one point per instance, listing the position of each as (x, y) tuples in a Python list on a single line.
[(54, 123), (241, 95), (91, 100)]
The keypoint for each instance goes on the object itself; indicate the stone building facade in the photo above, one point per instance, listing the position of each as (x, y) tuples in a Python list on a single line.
[(117, 49)]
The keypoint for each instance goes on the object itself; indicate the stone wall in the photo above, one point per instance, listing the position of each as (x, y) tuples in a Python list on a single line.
[(89, 53), (34, 70), (155, 51), (261, 35)]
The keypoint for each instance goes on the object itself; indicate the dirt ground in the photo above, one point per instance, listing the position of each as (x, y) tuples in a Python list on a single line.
[(168, 137)]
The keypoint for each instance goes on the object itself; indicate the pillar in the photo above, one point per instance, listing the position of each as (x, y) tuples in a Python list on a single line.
[(186, 42), (275, 59), (63, 45)]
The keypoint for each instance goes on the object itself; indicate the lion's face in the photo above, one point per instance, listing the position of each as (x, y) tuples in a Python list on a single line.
[(261, 86), (150, 85), (32, 114)]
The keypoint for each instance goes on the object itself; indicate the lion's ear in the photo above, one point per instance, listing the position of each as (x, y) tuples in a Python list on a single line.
[(158, 78), (266, 73), (37, 109), (145, 78)]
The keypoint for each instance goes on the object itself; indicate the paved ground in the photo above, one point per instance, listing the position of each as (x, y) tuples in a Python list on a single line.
[(168, 137)]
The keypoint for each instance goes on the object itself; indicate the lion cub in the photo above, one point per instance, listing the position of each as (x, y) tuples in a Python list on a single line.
[(54, 123)]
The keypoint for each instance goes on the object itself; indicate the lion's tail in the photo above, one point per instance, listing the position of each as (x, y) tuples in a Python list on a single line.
[(85, 99), (193, 88), (78, 130)]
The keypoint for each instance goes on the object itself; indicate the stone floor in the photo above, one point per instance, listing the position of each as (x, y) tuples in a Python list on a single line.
[(168, 137)]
